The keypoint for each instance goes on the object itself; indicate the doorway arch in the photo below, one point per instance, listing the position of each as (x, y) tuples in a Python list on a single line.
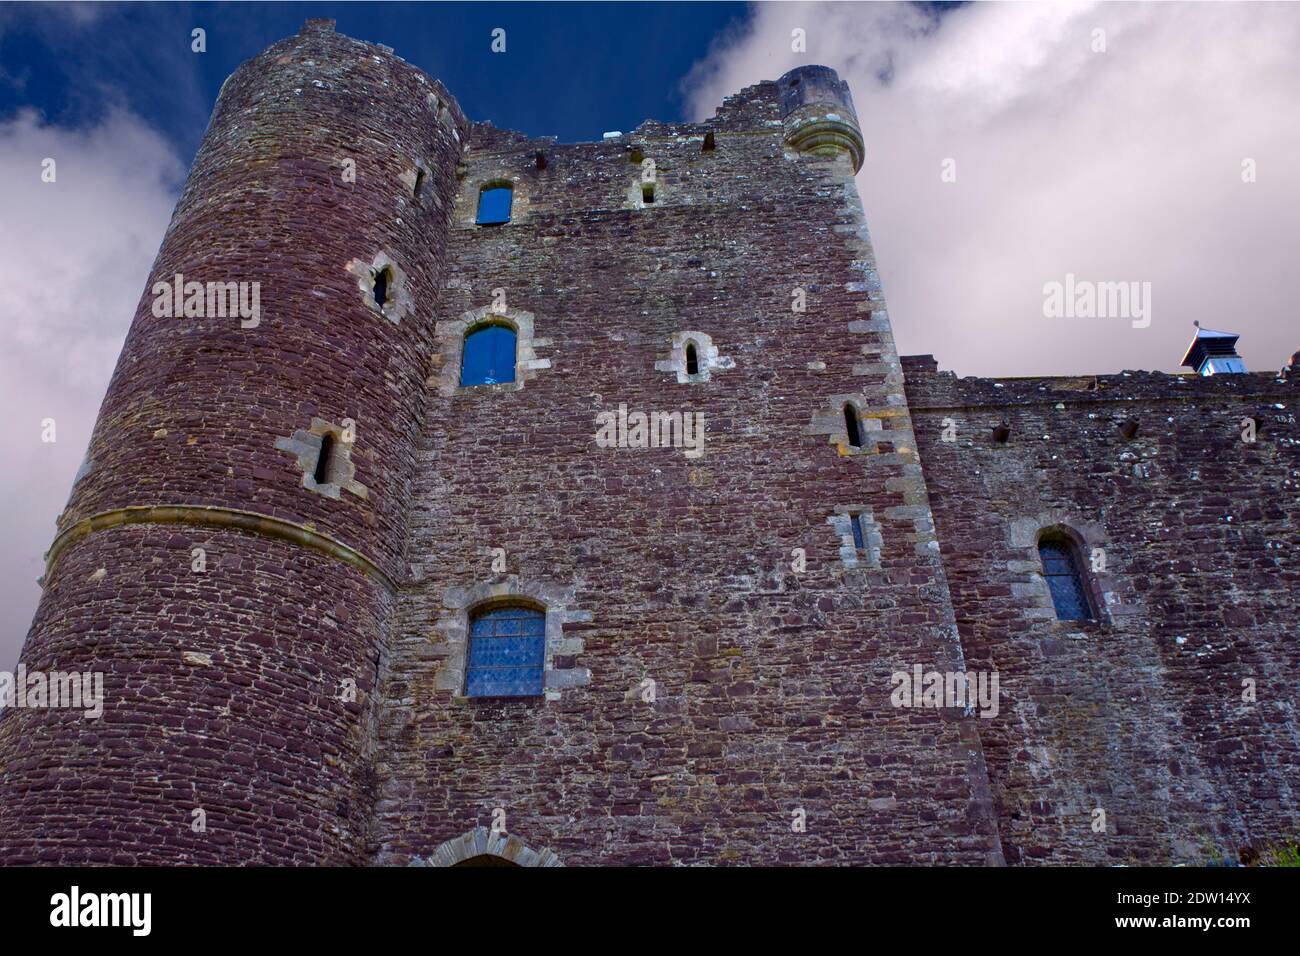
[(482, 847)]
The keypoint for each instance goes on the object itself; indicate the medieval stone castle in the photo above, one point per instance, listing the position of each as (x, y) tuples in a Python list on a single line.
[(365, 587)]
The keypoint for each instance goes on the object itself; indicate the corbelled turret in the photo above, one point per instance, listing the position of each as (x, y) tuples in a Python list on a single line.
[(817, 108)]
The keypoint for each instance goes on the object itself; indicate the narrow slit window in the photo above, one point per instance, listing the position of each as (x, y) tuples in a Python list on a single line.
[(321, 474), (1061, 570), (488, 357), (494, 204), (852, 426), (692, 359), (419, 182), (708, 141), (859, 540), (382, 277), (507, 653), (648, 193)]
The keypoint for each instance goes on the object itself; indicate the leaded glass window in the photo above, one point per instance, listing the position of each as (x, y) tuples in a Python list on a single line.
[(1064, 581), (507, 653)]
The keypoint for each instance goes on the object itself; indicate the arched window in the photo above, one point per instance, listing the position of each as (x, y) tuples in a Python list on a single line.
[(692, 359), (494, 204), (1061, 569), (852, 427), (507, 652), (489, 356)]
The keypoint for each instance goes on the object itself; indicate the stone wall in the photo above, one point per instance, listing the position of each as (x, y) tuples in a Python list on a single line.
[(238, 678), (1140, 713), (284, 646), (771, 685)]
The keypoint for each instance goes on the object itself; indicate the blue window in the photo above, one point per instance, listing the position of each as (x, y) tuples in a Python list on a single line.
[(859, 540), (507, 653), (494, 205), (1064, 581), (489, 356)]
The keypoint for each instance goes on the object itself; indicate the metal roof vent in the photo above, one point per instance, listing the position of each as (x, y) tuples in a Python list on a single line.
[(1213, 353)]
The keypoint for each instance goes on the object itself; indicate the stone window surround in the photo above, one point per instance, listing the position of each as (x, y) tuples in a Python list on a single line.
[(831, 423), (451, 642), (399, 302), (635, 198), (417, 174), (706, 354), (1025, 534), (497, 175), (451, 336), (850, 556), (307, 446)]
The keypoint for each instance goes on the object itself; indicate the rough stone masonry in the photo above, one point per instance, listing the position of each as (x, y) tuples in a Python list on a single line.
[(283, 534)]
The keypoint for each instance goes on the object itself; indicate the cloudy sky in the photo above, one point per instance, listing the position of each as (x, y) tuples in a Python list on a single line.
[(1107, 141)]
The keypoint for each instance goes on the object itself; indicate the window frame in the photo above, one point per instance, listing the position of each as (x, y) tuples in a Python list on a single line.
[(536, 613), (859, 534), (495, 322), (691, 352), (483, 190), (1069, 548)]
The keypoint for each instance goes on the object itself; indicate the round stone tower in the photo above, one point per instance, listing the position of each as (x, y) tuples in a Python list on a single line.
[(228, 556), (817, 108)]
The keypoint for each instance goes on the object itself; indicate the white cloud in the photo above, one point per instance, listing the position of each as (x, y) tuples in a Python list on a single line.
[(74, 258), (1121, 165)]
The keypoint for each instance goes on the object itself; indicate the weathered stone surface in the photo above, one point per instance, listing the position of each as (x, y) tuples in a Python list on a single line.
[(719, 650), (260, 740), (1140, 713), (770, 685)]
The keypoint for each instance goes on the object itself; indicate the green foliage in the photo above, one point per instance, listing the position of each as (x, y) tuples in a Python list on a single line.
[(1283, 854)]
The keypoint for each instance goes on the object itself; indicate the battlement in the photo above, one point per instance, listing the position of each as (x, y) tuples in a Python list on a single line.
[(930, 389)]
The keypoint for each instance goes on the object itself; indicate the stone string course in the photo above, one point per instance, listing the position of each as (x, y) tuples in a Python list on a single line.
[(718, 654)]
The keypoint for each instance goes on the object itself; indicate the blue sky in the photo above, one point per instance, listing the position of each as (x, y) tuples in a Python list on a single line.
[(571, 70)]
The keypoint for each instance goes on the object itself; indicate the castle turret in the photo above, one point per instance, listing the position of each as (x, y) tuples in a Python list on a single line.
[(230, 551), (818, 112)]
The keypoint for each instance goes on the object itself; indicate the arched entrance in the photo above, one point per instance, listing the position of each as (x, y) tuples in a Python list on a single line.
[(482, 847), (487, 859)]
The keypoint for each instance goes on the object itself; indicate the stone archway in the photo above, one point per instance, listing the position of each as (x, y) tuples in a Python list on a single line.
[(482, 847)]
